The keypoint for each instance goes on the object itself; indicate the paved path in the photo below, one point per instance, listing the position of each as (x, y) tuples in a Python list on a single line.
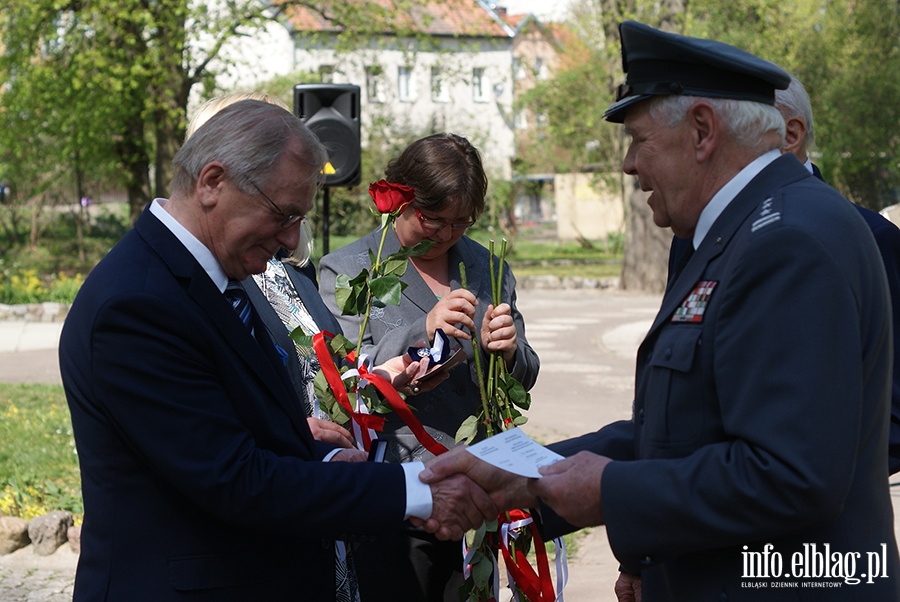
[(586, 340)]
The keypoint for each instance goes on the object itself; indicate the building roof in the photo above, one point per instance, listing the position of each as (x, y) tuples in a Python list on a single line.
[(452, 18)]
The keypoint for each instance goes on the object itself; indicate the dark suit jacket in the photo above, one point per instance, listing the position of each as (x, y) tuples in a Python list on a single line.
[(887, 237), (394, 328), (764, 420), (201, 480)]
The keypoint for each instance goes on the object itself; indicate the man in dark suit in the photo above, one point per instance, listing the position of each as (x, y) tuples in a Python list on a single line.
[(799, 136), (201, 480), (762, 393)]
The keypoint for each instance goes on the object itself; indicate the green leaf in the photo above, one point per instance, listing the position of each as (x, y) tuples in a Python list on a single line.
[(387, 289), (344, 295), (301, 338), (341, 345), (477, 536), (467, 430), (396, 267), (351, 294), (422, 247), (482, 569), (516, 393)]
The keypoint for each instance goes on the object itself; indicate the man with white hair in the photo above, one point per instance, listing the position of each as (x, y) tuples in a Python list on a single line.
[(756, 453)]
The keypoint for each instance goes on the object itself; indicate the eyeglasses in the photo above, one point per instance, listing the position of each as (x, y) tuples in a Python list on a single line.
[(289, 220), (434, 224)]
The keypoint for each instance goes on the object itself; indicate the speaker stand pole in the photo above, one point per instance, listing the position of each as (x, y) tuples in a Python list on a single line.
[(326, 201)]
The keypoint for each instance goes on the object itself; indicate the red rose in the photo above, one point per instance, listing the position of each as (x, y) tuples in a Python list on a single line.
[(390, 197)]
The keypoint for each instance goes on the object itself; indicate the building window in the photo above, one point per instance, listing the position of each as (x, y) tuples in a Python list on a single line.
[(540, 69), (479, 85), (439, 90), (519, 68), (326, 73), (374, 84), (522, 120), (405, 89)]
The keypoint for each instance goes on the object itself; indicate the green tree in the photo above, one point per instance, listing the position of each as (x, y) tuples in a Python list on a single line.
[(846, 54), (844, 51), (575, 134), (111, 79)]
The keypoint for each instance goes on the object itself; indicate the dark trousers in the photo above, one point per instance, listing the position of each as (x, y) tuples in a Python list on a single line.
[(411, 565)]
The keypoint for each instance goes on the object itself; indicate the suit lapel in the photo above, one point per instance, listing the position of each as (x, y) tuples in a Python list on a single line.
[(775, 176), (306, 287), (200, 288)]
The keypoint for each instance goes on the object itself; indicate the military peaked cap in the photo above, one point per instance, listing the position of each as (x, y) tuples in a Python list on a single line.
[(658, 63)]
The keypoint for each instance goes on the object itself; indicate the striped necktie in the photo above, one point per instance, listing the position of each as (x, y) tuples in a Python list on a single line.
[(236, 295)]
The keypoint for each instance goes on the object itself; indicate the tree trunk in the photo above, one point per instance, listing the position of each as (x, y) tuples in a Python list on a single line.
[(645, 261)]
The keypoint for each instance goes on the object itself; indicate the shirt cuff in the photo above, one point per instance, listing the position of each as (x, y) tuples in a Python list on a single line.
[(418, 494), (330, 454)]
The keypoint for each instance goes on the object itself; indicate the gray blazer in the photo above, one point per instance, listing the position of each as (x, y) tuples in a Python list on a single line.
[(393, 329)]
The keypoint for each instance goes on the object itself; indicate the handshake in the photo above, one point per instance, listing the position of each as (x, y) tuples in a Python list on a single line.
[(467, 491)]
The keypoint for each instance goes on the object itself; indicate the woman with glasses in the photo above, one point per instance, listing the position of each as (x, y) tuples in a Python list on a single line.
[(446, 172)]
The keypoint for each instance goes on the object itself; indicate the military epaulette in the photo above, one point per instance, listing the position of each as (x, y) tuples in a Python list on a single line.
[(768, 214)]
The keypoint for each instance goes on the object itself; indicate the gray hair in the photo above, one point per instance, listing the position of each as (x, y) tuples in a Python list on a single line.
[(214, 105), (747, 122), (248, 138), (794, 102)]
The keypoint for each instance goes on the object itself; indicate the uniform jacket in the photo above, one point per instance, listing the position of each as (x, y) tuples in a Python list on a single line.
[(200, 478), (395, 328), (887, 237), (761, 407)]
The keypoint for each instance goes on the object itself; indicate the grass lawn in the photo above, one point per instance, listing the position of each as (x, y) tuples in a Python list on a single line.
[(38, 464), (532, 255)]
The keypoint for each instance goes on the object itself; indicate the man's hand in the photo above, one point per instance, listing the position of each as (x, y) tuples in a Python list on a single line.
[(498, 331), (572, 488), (628, 588), (456, 307), (350, 455), (330, 432), (458, 505), (507, 490)]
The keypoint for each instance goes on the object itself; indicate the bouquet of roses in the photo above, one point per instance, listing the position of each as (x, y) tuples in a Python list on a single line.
[(343, 382), (513, 534)]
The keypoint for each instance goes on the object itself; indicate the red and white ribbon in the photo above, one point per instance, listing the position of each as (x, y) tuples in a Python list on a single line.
[(537, 585), (364, 424)]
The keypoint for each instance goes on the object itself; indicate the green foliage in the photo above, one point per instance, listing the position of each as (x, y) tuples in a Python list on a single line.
[(574, 130), (381, 284), (830, 46), (26, 286), (54, 266), (38, 462)]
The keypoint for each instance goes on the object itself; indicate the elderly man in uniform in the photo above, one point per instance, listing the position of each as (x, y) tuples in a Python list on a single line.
[(758, 443)]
